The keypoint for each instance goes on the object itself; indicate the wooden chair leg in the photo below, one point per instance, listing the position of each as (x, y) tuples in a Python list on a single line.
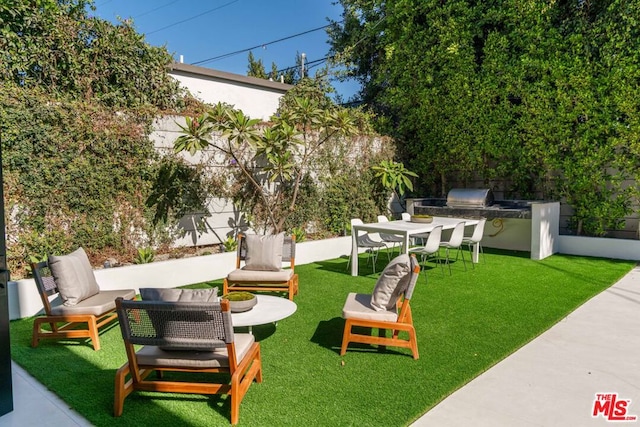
[(235, 402), (259, 373), (93, 332), (345, 337), (292, 290), (35, 338), (382, 333), (413, 341), (120, 390)]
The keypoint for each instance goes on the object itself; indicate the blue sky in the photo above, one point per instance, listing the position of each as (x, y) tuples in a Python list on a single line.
[(199, 30)]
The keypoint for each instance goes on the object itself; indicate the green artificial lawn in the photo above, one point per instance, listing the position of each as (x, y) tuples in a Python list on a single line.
[(465, 323)]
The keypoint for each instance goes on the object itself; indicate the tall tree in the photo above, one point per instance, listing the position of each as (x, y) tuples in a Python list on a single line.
[(78, 98), (528, 96), (56, 45), (256, 67)]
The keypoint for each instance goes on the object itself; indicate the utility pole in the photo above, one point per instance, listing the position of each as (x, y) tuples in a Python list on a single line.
[(302, 58)]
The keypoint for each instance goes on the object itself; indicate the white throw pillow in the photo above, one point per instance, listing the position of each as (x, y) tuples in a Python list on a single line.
[(264, 253), (73, 276)]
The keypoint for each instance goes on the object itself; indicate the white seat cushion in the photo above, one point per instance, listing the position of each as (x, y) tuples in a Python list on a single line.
[(97, 305), (241, 275), (358, 306), (155, 356)]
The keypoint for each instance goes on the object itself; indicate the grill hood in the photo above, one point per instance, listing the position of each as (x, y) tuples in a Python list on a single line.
[(470, 198)]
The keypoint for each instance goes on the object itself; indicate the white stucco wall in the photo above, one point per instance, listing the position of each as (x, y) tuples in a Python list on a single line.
[(257, 98), (545, 229), (600, 247)]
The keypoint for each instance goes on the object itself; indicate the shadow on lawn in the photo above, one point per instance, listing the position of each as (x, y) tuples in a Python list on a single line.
[(339, 265), (328, 334)]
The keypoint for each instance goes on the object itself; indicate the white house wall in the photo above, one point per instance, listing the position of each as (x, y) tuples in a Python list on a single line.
[(257, 98)]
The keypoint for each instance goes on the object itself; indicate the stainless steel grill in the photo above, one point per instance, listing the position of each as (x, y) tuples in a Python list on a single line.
[(470, 198), (473, 203)]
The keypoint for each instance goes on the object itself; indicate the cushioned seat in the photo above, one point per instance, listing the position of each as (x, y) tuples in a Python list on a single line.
[(241, 275), (358, 306), (74, 305), (189, 337), (259, 265), (387, 307), (219, 358), (97, 304)]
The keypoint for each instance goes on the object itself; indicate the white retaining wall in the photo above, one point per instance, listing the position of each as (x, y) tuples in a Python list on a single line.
[(24, 300), (600, 247)]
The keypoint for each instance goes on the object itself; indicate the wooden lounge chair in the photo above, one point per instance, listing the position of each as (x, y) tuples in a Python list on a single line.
[(82, 320), (189, 337), (262, 258), (386, 308)]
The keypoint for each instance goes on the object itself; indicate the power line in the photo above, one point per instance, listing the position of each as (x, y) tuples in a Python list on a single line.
[(154, 9), (193, 17), (308, 64), (226, 55), (319, 61)]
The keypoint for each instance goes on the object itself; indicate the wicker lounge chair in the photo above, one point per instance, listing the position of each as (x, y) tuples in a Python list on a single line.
[(189, 337)]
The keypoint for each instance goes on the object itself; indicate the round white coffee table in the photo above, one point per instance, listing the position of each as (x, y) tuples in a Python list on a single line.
[(269, 309)]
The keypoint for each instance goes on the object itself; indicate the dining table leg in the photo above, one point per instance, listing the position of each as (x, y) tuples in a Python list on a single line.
[(405, 243)]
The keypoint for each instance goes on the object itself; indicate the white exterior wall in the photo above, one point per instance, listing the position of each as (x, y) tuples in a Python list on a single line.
[(225, 220), (600, 247), (545, 229), (508, 233), (257, 98)]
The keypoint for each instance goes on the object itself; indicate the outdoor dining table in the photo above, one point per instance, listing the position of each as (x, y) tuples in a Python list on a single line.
[(405, 229)]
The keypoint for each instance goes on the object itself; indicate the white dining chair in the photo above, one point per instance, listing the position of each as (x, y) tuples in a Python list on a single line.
[(392, 239), (430, 248), (455, 242), (406, 216), (475, 239), (365, 241)]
